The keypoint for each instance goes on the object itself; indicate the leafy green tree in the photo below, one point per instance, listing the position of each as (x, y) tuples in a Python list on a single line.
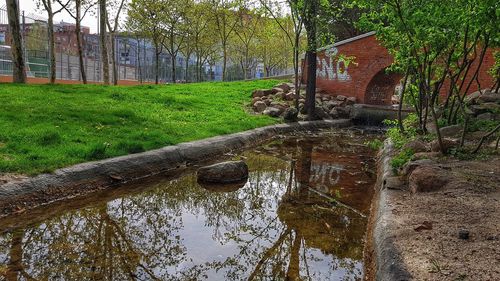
[(78, 9), (245, 44), (225, 20), (174, 21), (435, 43), (115, 8), (145, 18), (48, 5)]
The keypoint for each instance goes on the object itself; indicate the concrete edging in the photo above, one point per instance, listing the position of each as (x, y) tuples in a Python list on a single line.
[(88, 177), (389, 264)]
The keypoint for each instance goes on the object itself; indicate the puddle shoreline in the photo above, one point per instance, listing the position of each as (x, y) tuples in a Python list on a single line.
[(330, 236), (89, 177)]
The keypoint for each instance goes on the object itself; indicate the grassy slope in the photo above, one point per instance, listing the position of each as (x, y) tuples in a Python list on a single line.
[(45, 127)]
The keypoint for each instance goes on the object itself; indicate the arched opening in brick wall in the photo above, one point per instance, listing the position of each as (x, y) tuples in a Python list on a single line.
[(381, 88)]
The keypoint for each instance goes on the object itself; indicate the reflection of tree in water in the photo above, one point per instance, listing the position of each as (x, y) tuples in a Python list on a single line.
[(278, 229)]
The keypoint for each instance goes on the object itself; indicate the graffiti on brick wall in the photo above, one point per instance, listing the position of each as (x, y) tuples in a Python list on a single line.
[(332, 67)]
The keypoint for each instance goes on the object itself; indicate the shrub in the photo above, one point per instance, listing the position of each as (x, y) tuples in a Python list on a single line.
[(401, 158)]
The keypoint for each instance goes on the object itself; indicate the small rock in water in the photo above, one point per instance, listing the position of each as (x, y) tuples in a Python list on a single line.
[(463, 234), (225, 172)]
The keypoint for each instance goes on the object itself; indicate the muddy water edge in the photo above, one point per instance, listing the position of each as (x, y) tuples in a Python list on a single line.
[(302, 214)]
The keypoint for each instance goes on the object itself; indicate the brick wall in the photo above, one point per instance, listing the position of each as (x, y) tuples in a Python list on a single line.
[(365, 78)]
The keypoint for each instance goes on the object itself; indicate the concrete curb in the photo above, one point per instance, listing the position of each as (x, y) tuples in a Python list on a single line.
[(84, 178), (389, 263)]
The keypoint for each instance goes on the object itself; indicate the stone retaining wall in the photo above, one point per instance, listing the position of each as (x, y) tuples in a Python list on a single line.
[(388, 264)]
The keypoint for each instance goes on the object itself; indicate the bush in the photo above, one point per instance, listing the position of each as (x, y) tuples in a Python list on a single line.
[(401, 158), (409, 124)]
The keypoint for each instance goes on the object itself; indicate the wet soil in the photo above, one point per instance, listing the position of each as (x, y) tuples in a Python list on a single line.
[(301, 215), (429, 224)]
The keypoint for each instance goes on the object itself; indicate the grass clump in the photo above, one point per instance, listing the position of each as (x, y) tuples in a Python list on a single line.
[(45, 127), (375, 144)]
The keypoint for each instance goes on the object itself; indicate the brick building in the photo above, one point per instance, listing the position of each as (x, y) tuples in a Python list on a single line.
[(366, 77)]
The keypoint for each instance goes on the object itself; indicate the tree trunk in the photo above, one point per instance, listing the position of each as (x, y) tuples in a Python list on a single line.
[(224, 62), (18, 70), (113, 57), (310, 25), (157, 66), (79, 41), (310, 104), (296, 69), (103, 43), (186, 70), (173, 68), (52, 47)]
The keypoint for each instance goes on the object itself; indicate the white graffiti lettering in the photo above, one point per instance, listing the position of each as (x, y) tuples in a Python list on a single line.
[(331, 67)]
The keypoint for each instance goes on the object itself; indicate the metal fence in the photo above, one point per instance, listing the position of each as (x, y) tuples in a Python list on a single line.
[(135, 57)]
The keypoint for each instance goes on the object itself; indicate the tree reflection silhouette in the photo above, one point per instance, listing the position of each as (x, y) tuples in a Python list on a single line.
[(273, 228)]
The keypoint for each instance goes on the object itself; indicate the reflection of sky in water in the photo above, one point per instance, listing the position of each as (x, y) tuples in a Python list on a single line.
[(269, 229)]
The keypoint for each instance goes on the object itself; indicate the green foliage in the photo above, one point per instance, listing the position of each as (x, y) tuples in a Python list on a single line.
[(375, 144), (401, 158), (45, 127), (434, 41), (410, 126), (481, 125)]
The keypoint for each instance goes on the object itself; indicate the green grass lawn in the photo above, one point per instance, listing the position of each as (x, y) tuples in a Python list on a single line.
[(44, 127)]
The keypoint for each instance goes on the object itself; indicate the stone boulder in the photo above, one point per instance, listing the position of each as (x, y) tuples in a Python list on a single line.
[(416, 146), (341, 98), (489, 97), (350, 100), (289, 97), (262, 93), (284, 87), (290, 114), (333, 113), (451, 131), (427, 178), (272, 111), (344, 112), (409, 167), (426, 155), (258, 93), (259, 106), (321, 114), (447, 144), (256, 99), (485, 116), (225, 172), (471, 99), (331, 104)]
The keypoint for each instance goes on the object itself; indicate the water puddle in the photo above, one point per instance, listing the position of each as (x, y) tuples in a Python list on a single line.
[(302, 215)]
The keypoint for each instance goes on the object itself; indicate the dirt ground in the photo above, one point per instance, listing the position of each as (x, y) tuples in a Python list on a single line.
[(430, 222)]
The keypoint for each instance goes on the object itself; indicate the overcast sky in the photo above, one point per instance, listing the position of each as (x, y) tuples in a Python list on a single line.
[(30, 7)]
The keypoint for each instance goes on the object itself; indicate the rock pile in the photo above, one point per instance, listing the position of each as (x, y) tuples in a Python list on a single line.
[(484, 105), (278, 101)]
